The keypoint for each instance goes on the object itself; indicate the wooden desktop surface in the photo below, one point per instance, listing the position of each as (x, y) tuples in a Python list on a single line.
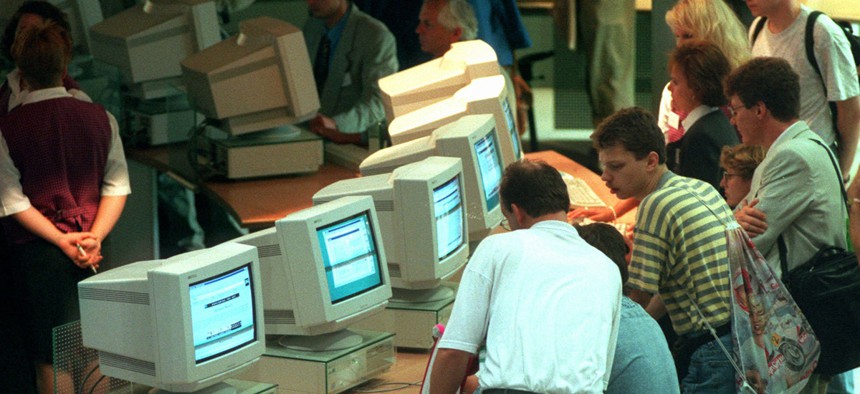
[(258, 203)]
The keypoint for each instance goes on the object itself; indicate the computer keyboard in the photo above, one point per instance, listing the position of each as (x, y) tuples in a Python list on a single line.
[(621, 227), (581, 195)]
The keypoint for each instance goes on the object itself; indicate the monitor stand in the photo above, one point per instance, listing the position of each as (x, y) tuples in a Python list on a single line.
[(339, 340), (229, 386), (335, 371), (408, 296), (411, 315)]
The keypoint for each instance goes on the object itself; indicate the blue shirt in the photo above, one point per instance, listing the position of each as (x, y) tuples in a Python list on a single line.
[(642, 363), (335, 32), (501, 26)]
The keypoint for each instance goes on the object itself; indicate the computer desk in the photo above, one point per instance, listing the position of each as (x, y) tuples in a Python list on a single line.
[(258, 203)]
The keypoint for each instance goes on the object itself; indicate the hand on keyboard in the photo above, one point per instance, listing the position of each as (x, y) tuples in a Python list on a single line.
[(597, 214)]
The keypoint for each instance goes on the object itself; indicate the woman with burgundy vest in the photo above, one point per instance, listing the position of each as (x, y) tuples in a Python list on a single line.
[(63, 183), (11, 92)]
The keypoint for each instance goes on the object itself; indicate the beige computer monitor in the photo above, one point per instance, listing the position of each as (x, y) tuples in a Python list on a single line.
[(147, 42), (486, 95), (437, 79), (259, 79)]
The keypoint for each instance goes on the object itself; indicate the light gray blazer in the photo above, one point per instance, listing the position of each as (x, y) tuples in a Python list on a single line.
[(798, 189), (366, 52)]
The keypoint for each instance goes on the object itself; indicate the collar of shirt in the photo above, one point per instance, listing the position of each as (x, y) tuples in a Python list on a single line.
[(696, 114), (45, 94), (788, 132), (13, 80)]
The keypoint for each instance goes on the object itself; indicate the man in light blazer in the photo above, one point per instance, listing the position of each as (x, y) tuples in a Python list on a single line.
[(795, 191), (350, 52)]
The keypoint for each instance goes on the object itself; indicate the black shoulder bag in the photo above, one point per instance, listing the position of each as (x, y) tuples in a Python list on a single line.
[(827, 290)]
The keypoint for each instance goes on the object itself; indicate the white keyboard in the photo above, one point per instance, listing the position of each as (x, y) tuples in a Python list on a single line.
[(621, 227), (581, 195)]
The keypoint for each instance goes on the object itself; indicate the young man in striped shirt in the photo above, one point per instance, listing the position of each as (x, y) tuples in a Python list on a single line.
[(680, 262)]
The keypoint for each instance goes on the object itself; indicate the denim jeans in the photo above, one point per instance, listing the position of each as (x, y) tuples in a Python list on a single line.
[(710, 369)]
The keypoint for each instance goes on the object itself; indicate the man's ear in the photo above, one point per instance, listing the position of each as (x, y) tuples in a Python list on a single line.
[(652, 161), (519, 214), (457, 35)]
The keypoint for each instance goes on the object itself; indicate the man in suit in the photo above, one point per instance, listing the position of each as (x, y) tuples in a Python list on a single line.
[(794, 196), (350, 51)]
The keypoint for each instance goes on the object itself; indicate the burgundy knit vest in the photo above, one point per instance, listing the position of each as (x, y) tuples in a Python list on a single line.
[(60, 147)]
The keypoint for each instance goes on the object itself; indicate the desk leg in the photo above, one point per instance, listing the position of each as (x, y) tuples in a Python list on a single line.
[(135, 236)]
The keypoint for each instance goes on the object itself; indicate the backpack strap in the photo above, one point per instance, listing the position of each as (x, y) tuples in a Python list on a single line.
[(809, 41), (758, 24)]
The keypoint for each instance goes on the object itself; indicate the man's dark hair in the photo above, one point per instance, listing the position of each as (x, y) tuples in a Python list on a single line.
[(535, 187), (769, 80), (605, 238), (705, 67), (42, 8), (633, 128)]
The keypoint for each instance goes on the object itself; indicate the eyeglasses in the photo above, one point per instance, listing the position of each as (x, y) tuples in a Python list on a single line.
[(733, 111), (727, 175)]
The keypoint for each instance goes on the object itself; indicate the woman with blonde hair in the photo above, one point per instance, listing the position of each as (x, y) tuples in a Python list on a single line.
[(708, 20)]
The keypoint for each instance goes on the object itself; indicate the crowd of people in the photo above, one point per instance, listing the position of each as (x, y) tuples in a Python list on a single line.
[(744, 134)]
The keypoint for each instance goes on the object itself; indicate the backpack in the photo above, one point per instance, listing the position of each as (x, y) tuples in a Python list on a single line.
[(809, 43)]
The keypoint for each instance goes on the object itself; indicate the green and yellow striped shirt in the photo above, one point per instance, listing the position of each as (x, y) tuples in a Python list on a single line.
[(679, 249)]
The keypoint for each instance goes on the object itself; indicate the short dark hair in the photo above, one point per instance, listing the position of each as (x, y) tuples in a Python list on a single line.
[(536, 187), (769, 80), (605, 238), (42, 8), (705, 67), (41, 53), (633, 128)]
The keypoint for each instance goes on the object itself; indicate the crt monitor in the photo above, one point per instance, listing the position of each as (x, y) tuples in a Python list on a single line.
[(475, 140), (147, 42), (437, 79), (323, 269), (422, 218), (486, 95), (259, 79), (81, 14), (182, 324)]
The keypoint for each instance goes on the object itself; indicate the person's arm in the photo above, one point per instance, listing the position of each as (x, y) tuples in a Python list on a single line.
[(380, 60), (848, 123), (110, 209), (605, 214), (750, 218), (449, 370), (33, 221), (327, 128), (786, 192)]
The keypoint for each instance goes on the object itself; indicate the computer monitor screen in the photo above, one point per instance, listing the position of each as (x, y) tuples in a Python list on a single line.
[(350, 257), (222, 313), (490, 169), (180, 324), (475, 140), (422, 218), (148, 41), (323, 269), (259, 79), (449, 214), (437, 79), (486, 95), (81, 15)]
